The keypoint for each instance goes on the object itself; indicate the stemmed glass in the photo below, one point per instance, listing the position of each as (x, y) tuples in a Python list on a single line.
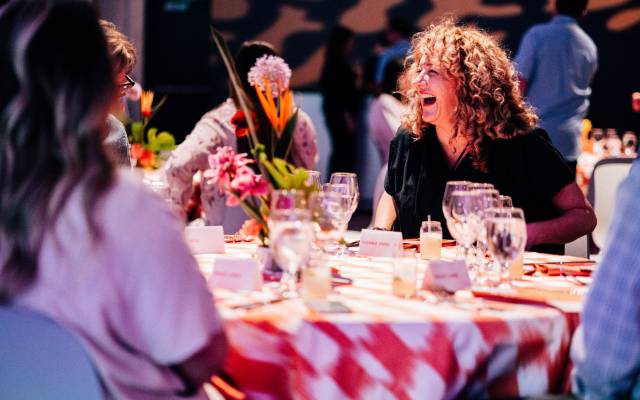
[(351, 181), (451, 187), (290, 237), (313, 179), (629, 143), (488, 199), (505, 202), (287, 199), (465, 217), (329, 212), (507, 237)]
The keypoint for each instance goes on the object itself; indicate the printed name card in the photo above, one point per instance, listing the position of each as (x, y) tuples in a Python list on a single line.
[(449, 276), (235, 274), (205, 239), (374, 243)]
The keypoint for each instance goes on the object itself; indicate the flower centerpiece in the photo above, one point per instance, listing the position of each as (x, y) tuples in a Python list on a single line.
[(147, 145), (247, 179)]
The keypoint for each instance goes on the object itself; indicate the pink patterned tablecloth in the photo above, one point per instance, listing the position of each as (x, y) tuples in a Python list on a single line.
[(391, 348)]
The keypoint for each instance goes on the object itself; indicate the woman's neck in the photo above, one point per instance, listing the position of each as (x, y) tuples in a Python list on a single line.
[(451, 148)]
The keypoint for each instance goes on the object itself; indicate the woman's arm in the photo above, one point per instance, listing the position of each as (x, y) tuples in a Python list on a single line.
[(201, 366), (386, 212), (576, 219)]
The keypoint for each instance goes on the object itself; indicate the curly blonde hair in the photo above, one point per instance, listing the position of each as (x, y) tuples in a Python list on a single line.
[(490, 105), (122, 51)]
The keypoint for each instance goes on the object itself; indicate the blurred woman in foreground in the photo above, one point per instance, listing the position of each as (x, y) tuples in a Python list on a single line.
[(80, 243)]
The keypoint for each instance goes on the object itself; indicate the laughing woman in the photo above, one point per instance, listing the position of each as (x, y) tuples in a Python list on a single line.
[(468, 121)]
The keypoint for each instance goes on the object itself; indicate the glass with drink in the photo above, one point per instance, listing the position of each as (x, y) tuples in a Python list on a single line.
[(405, 266), (430, 240)]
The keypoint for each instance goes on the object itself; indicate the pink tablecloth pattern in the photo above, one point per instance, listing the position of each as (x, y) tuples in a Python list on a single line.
[(390, 348)]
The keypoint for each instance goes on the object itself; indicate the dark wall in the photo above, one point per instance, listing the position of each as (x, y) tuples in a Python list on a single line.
[(178, 59)]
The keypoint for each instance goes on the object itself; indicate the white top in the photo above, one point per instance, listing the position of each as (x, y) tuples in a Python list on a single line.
[(385, 114), (215, 130), (134, 297)]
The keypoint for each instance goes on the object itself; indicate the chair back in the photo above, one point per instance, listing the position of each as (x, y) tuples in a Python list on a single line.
[(606, 177), (41, 360)]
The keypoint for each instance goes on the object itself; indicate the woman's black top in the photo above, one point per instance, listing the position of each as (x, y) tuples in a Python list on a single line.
[(527, 168)]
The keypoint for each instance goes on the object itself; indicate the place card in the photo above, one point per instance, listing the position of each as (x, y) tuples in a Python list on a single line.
[(374, 243), (205, 239), (235, 274), (449, 276)]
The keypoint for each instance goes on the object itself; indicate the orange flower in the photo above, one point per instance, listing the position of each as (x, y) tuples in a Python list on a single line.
[(146, 102), (145, 157), (251, 227), (240, 122)]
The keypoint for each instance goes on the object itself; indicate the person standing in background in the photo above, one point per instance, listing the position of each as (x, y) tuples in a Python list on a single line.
[(557, 62), (341, 99), (397, 36)]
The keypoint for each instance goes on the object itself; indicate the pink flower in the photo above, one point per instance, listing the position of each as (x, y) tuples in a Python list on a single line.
[(232, 174), (247, 183), (272, 69)]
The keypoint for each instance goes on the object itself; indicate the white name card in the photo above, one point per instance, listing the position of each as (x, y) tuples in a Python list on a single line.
[(235, 274), (205, 239), (374, 243), (446, 275)]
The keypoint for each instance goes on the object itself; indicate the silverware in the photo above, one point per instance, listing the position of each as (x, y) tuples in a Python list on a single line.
[(251, 306), (585, 262)]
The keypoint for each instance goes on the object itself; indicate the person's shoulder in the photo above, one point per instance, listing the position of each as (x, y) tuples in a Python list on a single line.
[(128, 197), (402, 138)]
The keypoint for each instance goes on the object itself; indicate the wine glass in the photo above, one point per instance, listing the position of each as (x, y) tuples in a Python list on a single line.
[(451, 187), (507, 237), (480, 186), (465, 215), (351, 181), (505, 202), (290, 236), (599, 146), (343, 191), (288, 199), (328, 212), (488, 198), (313, 179), (629, 143)]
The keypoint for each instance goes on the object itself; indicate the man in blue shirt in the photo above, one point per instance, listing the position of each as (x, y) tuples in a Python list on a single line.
[(557, 61), (397, 33), (606, 349)]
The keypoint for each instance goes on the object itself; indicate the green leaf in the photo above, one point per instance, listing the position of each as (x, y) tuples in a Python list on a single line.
[(152, 143), (284, 144), (165, 141), (136, 132), (276, 178)]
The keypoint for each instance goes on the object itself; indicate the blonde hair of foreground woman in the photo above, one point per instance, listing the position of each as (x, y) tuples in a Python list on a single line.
[(490, 105)]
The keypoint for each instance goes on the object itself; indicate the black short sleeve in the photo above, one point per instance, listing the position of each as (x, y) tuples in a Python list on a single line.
[(396, 159), (546, 169)]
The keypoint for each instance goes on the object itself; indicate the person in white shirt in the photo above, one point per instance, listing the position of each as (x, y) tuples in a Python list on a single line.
[(85, 245)]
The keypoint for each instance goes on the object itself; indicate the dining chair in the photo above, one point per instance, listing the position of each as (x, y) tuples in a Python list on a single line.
[(39, 359), (607, 175)]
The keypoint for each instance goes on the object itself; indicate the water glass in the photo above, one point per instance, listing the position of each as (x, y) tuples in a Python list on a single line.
[(351, 181), (290, 241), (316, 280), (465, 214), (430, 240), (507, 237), (329, 213), (405, 274)]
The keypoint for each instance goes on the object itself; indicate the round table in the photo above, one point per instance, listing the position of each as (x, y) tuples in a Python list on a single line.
[(386, 347)]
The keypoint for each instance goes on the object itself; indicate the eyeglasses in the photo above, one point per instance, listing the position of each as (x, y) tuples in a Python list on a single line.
[(129, 83)]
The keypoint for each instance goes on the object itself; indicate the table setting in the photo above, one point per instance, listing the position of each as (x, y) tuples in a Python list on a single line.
[(346, 322)]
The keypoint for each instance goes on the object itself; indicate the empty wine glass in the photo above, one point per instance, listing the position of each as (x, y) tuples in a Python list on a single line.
[(507, 237), (465, 215), (345, 193), (290, 239), (329, 212), (599, 145)]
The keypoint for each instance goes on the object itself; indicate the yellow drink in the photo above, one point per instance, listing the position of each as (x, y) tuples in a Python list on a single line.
[(430, 245)]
